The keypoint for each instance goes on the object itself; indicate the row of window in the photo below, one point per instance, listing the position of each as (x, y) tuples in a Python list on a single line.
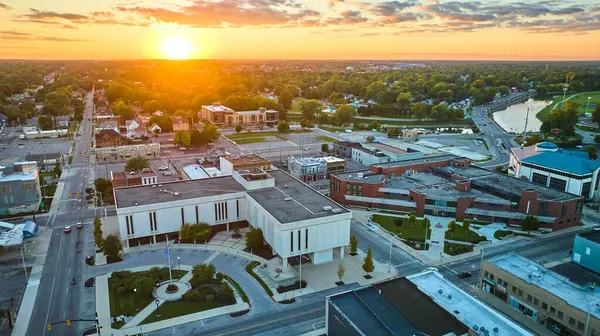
[(559, 315), (354, 189), (299, 245), (556, 172)]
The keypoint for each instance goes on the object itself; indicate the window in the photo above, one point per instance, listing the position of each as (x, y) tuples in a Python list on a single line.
[(520, 292), (182, 217), (585, 190), (299, 244), (237, 208), (571, 321), (491, 277), (536, 301), (514, 290), (539, 179), (529, 298), (127, 224), (558, 184), (291, 241), (580, 325), (559, 315), (151, 222), (485, 274), (197, 218), (552, 310), (226, 212), (306, 239), (544, 305), (155, 224), (579, 207), (216, 214), (543, 209)]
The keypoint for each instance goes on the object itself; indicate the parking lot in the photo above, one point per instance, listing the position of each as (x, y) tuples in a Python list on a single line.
[(104, 170), (13, 149)]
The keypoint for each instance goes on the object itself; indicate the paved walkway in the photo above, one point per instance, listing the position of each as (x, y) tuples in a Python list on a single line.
[(58, 193)]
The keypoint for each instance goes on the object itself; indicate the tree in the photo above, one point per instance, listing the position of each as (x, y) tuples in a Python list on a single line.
[(466, 224), (283, 126), (419, 110), (597, 139), (368, 266), (451, 226), (195, 232), (370, 138), (353, 244), (126, 112), (202, 274), (137, 163), (144, 286), (374, 125), (254, 238), (341, 271), (151, 106), (345, 113), (310, 108), (45, 123), (307, 124), (596, 113), (206, 98), (403, 99), (592, 153), (102, 185), (196, 138), (98, 232), (285, 99), (530, 223), (238, 128), (57, 169), (112, 246), (183, 138), (210, 132), (324, 148)]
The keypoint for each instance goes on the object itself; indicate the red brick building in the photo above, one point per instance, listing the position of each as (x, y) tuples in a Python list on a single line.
[(449, 186)]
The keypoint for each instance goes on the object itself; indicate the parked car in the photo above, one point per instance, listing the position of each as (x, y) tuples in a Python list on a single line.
[(167, 173), (163, 168), (182, 148), (79, 225), (464, 275), (67, 229)]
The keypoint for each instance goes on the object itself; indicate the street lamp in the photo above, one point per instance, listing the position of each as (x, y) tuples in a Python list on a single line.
[(588, 105), (157, 307), (23, 259), (179, 262), (135, 299)]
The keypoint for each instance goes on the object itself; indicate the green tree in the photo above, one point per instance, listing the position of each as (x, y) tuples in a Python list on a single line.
[(345, 113), (451, 226), (306, 124), (368, 266), (197, 233), (238, 128), (466, 224), (45, 123), (285, 99), (102, 185), (597, 139), (341, 271), (196, 138), (374, 125), (202, 274), (151, 106), (310, 109), (254, 238), (137, 163), (183, 138), (283, 126), (592, 153), (98, 232), (56, 170), (503, 89), (119, 108), (112, 246), (210, 132), (144, 286), (353, 244), (530, 223), (324, 148), (375, 88), (206, 98), (596, 113), (404, 99)]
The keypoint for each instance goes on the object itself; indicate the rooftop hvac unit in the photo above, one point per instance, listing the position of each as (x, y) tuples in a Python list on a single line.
[(154, 186), (288, 199), (327, 208), (176, 193), (336, 210)]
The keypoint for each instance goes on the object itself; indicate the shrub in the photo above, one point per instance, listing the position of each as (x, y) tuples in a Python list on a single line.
[(295, 286), (192, 295), (225, 292), (237, 286), (121, 290), (210, 298), (250, 269), (219, 277)]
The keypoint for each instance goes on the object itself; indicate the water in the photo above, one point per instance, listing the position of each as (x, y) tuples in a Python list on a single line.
[(512, 119)]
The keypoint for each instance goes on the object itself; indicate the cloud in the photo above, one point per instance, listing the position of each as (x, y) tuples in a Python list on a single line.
[(42, 15), (5, 6), (347, 17), (368, 34), (15, 35)]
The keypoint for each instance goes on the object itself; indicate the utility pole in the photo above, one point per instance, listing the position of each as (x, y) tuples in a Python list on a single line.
[(526, 121)]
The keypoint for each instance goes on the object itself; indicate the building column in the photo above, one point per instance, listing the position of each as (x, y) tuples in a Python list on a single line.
[(127, 243), (153, 239), (342, 251), (227, 226), (284, 264)]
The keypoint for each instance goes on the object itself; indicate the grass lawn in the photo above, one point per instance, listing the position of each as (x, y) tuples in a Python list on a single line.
[(455, 249), (127, 303), (47, 174), (296, 105), (580, 98), (173, 309), (49, 189), (245, 141), (460, 234), (117, 325), (407, 231), (326, 138), (333, 128), (423, 123), (70, 161)]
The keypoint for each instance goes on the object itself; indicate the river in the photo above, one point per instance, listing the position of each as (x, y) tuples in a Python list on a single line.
[(512, 119)]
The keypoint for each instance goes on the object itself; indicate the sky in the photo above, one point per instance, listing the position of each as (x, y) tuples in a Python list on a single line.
[(302, 29)]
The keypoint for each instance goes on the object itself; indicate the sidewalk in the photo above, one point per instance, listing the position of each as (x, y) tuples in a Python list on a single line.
[(60, 186)]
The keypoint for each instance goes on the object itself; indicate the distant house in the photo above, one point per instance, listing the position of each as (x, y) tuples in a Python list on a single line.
[(45, 161), (180, 124), (134, 128), (154, 129), (62, 121), (108, 125)]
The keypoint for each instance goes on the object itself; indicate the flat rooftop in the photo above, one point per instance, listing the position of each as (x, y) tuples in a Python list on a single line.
[(384, 147), (558, 285), (593, 235), (195, 171), (218, 108), (463, 306), (303, 202), (246, 159), (362, 176), (419, 308), (371, 313), (504, 185), (577, 273), (152, 194), (422, 160)]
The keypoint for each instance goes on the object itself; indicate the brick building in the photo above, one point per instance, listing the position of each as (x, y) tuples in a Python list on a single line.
[(449, 186)]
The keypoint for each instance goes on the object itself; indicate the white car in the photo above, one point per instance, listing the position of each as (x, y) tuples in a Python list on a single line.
[(167, 173), (182, 148), (163, 168)]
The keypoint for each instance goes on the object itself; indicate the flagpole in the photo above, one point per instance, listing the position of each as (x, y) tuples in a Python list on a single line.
[(169, 257)]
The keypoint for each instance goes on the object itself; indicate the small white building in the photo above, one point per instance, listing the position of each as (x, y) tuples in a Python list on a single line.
[(374, 153), (295, 219)]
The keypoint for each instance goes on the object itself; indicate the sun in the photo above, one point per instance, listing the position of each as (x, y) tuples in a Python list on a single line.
[(177, 47)]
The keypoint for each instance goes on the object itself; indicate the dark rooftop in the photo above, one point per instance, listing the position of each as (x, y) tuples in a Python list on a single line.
[(415, 161), (416, 306), (302, 201), (362, 175), (175, 191), (371, 313), (593, 235), (40, 157), (576, 273)]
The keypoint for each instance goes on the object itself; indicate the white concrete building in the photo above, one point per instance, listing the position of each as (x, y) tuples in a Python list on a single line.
[(295, 219), (547, 165), (374, 153)]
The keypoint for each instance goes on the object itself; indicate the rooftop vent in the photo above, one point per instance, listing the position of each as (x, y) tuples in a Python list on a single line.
[(440, 291), (135, 203), (287, 199), (176, 193), (154, 186)]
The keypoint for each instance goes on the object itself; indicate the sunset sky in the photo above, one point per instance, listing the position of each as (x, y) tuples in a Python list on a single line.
[(302, 29)]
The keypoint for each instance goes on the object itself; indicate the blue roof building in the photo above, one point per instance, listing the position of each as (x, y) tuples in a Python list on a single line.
[(570, 171)]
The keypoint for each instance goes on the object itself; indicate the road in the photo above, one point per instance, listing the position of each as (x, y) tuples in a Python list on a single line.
[(61, 294), (499, 141)]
